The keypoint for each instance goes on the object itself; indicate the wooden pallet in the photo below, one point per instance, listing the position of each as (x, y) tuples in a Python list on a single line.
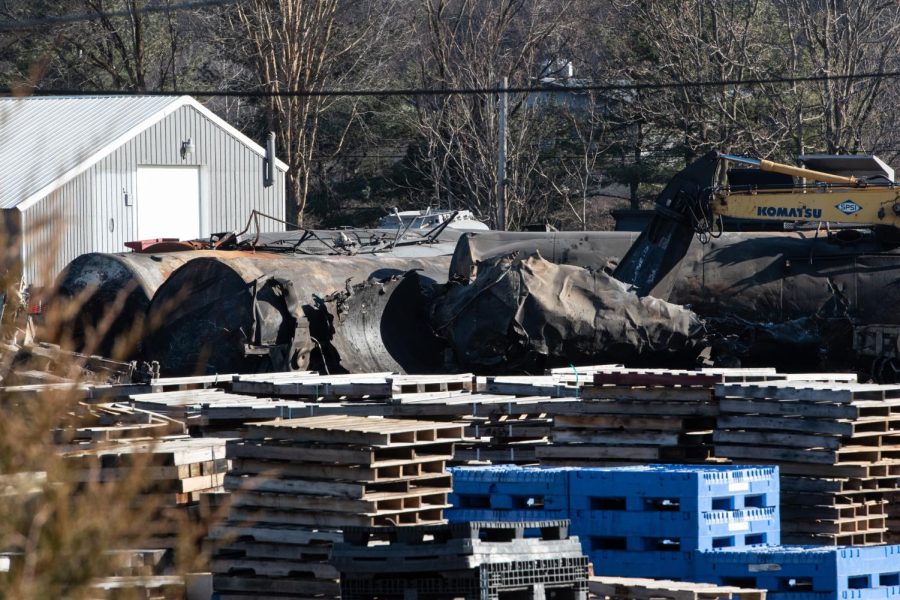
[(595, 454), (868, 538), (647, 394), (796, 485), (354, 386), (856, 410), (516, 455), (547, 385), (356, 430), (296, 482), (838, 393)]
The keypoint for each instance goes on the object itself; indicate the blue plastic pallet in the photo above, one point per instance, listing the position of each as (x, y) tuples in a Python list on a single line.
[(857, 573), (512, 474), (459, 515), (657, 565), (714, 524), (693, 488), (651, 543), (517, 501)]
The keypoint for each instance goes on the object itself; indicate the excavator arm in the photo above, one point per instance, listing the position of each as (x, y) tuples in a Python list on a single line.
[(680, 208), (706, 191)]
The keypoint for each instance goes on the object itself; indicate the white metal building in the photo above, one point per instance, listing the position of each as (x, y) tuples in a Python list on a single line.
[(87, 174)]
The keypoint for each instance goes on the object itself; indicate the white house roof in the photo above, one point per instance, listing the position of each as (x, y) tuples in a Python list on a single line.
[(47, 141)]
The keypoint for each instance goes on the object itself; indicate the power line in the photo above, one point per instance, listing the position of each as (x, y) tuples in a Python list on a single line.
[(418, 92), (28, 24)]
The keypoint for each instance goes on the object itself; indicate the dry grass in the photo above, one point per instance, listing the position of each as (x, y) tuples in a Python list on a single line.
[(56, 530)]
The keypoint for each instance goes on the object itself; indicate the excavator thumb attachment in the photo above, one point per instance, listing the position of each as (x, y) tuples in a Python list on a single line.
[(665, 240)]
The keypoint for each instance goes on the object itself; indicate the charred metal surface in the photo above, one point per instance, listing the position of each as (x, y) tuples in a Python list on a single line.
[(375, 326), (247, 311), (769, 298), (589, 249), (805, 344), (112, 286), (762, 276), (664, 241), (233, 313), (527, 314), (771, 277)]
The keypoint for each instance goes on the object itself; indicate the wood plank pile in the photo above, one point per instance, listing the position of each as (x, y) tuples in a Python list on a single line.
[(509, 434), (631, 416), (98, 423), (144, 587), (187, 406), (627, 588), (892, 536), (297, 482), (556, 386), (367, 386), (180, 478), (639, 416), (261, 397), (837, 446), (498, 427)]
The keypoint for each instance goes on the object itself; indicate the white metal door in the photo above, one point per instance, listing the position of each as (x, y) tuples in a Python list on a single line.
[(168, 202)]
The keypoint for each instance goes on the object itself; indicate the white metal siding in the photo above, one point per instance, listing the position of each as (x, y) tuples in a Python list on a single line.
[(80, 210)]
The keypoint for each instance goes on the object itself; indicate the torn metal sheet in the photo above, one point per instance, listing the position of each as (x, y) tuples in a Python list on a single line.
[(588, 249), (375, 326), (764, 276), (527, 314), (247, 313)]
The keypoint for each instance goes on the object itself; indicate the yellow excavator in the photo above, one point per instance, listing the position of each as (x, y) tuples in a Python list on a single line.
[(856, 190)]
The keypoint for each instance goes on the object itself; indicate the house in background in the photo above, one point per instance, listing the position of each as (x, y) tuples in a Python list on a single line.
[(87, 174)]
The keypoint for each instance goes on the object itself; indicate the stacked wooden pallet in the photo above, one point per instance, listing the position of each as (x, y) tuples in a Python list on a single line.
[(504, 438), (893, 516), (266, 396), (98, 423), (145, 587), (186, 406), (297, 482), (498, 428), (640, 416), (176, 474), (355, 386), (556, 386), (627, 588), (838, 448)]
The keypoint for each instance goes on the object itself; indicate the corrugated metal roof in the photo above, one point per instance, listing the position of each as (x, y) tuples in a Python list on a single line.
[(44, 141), (43, 138)]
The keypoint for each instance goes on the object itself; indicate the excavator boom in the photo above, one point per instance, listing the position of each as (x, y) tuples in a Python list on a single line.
[(704, 192), (665, 240)]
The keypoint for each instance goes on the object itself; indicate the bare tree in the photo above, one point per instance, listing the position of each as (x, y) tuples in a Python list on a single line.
[(116, 46), (473, 44), (839, 40), (696, 40), (305, 46), (580, 134)]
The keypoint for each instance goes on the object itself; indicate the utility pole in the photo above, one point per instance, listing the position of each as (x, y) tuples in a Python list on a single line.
[(501, 158)]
